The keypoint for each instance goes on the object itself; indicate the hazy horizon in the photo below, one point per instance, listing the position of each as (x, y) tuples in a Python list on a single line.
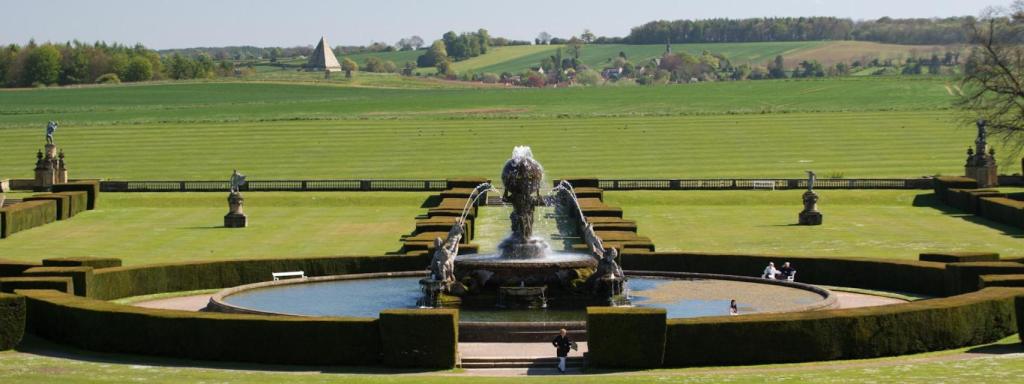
[(166, 24)]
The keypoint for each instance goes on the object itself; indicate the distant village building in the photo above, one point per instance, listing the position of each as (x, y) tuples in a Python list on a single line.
[(611, 73), (323, 58)]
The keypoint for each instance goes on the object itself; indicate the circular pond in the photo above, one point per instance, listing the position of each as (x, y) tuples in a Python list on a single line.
[(681, 295)]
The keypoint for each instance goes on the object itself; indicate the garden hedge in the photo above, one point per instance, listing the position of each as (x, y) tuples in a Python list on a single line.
[(79, 201), (63, 202), (1003, 210), (26, 215), (1020, 318), (14, 268), (959, 257), (942, 184), (91, 187), (986, 281), (969, 200), (84, 261), (115, 283), (965, 277), (421, 338), (81, 277), (57, 283), (626, 337), (920, 277), (856, 333), (12, 320), (106, 327)]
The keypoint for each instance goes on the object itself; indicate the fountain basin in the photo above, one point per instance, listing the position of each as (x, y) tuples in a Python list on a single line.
[(555, 269)]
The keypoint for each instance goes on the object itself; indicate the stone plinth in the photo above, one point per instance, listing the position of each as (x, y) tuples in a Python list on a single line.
[(235, 217), (50, 168), (810, 215), (987, 176)]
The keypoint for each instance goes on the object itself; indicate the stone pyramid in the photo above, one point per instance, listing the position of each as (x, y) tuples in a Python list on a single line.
[(323, 58)]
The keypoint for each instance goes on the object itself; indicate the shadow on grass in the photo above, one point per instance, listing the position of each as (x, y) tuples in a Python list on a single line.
[(208, 227), (997, 349), (40, 347), (929, 200)]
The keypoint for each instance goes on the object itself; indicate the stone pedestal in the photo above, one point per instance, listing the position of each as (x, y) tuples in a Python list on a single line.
[(235, 217), (49, 168), (987, 176), (810, 215)]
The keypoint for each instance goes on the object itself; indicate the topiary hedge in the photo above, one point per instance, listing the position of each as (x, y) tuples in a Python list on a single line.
[(969, 200), (79, 201), (115, 283), (626, 337), (84, 261), (63, 202), (921, 277), (106, 327), (942, 184), (1003, 210), (423, 338), (90, 187), (920, 326), (14, 268), (12, 320), (81, 277), (58, 283), (986, 281), (965, 277), (26, 215), (1020, 317), (959, 257)]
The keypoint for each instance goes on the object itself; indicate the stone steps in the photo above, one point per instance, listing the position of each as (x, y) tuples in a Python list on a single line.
[(519, 362)]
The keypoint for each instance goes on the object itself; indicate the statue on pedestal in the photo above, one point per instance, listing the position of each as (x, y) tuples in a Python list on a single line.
[(51, 127), (608, 279), (981, 160), (810, 214), (235, 217)]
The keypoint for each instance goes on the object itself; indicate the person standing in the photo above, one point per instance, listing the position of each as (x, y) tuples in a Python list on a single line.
[(562, 345), (733, 308)]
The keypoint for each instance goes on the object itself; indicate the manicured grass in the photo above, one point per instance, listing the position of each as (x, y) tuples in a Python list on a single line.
[(885, 224), (189, 102), (40, 361), (889, 144), (157, 228)]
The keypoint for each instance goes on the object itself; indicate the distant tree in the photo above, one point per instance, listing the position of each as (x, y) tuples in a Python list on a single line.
[(42, 66), (140, 69), (993, 76), (535, 79), (348, 66), (934, 65), (543, 38), (444, 68), (436, 53), (576, 47), (588, 77), (777, 69), (587, 36), (409, 68), (274, 53), (489, 78), (416, 42)]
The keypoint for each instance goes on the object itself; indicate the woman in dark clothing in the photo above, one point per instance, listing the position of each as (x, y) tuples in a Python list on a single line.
[(562, 344)]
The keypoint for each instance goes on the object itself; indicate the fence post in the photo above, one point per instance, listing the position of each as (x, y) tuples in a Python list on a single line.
[(182, 185), (364, 185), (673, 184)]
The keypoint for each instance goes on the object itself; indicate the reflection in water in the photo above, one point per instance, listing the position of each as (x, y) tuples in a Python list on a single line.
[(366, 298)]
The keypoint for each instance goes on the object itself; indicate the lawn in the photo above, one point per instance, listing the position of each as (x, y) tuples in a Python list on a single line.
[(884, 224), (40, 361), (146, 228)]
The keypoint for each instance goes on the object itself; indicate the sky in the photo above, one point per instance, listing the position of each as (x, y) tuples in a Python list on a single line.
[(163, 24)]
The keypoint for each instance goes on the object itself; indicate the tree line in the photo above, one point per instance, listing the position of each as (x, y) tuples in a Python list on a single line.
[(75, 62), (949, 30)]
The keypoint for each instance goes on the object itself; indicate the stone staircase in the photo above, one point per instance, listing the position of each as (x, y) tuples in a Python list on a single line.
[(520, 362)]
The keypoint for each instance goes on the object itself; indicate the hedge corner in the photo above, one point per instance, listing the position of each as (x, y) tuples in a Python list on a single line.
[(1019, 304), (12, 320), (626, 337), (420, 338)]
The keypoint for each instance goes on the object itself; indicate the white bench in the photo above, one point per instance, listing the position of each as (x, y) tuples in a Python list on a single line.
[(763, 184), (295, 274)]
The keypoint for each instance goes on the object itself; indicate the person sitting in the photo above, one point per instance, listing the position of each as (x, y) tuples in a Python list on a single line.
[(770, 272), (787, 272), (733, 308)]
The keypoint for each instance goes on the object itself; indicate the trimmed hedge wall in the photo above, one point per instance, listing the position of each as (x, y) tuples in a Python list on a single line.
[(965, 277), (91, 187), (14, 268), (959, 257), (79, 201), (106, 327), (26, 215), (85, 261), (1020, 317), (921, 277), (626, 337), (969, 200), (920, 326), (422, 338), (116, 283), (63, 202), (57, 283), (986, 281), (1003, 210), (942, 184), (12, 320), (81, 277)]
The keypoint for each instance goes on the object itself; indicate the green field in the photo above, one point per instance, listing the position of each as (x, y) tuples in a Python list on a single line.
[(158, 228)]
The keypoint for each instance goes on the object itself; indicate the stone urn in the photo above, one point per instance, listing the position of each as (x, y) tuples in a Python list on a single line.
[(810, 215), (235, 217)]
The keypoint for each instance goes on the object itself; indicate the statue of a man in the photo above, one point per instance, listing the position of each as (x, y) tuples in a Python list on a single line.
[(982, 131), (811, 177), (237, 180), (51, 127)]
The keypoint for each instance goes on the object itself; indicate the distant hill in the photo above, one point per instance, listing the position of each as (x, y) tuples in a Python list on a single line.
[(516, 59)]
